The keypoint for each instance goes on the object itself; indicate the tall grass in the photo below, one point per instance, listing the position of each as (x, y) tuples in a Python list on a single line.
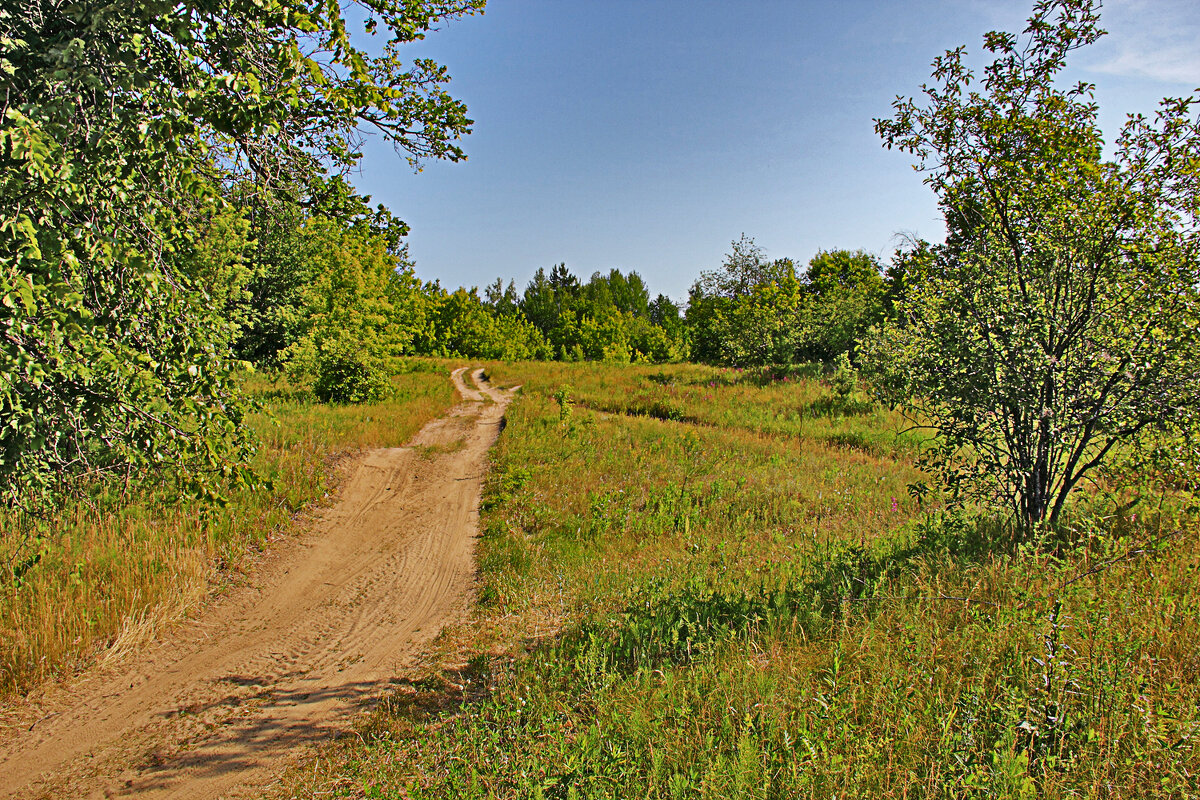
[(725, 603), (105, 575)]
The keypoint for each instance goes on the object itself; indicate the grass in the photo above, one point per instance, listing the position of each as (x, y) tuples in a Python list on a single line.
[(102, 579), (737, 597), (798, 404)]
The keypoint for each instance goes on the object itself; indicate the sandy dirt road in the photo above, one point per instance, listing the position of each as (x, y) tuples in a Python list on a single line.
[(324, 626)]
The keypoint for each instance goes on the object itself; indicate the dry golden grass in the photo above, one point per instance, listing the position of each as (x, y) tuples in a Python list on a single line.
[(114, 574)]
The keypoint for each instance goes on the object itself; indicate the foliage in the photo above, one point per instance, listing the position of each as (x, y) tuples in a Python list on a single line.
[(845, 293), (1058, 324), (271, 314), (121, 127), (363, 309), (754, 313), (764, 326), (745, 313), (744, 269), (844, 379), (467, 327), (623, 293), (563, 397), (607, 319), (665, 314), (503, 301), (908, 264), (346, 374)]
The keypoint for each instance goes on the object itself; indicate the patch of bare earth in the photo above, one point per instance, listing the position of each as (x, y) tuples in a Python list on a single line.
[(327, 624)]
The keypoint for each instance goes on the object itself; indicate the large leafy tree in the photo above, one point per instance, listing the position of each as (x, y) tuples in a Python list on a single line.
[(270, 313), (844, 297), (122, 125), (746, 313), (1058, 323), (363, 306)]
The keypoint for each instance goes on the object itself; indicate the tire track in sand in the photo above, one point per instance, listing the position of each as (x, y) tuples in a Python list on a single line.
[(226, 702)]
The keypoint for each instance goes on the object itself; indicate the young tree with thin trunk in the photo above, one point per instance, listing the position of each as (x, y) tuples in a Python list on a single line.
[(1057, 326)]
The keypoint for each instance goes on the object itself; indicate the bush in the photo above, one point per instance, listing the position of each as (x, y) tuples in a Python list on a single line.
[(349, 376), (844, 379)]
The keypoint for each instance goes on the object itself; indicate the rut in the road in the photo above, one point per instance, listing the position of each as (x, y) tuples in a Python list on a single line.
[(328, 624)]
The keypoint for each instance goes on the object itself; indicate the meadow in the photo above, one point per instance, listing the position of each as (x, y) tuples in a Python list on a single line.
[(110, 571), (693, 581), (702, 582)]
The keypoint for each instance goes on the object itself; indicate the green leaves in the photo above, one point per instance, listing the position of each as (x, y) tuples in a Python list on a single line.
[(1056, 328), (126, 128), (755, 313), (357, 301)]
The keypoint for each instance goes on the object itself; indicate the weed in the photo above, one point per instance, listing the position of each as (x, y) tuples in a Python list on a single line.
[(563, 398)]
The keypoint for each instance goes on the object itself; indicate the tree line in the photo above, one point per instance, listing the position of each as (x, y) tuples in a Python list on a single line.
[(338, 303), (173, 208)]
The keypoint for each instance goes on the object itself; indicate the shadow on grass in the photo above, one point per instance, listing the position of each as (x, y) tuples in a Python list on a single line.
[(834, 406), (654, 408), (433, 697), (662, 625), (284, 394), (677, 625), (738, 376)]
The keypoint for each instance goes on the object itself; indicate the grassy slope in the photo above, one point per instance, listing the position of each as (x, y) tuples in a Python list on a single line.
[(743, 602), (109, 577)]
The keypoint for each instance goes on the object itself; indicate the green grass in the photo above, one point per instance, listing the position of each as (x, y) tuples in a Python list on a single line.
[(796, 404), (105, 576), (732, 602)]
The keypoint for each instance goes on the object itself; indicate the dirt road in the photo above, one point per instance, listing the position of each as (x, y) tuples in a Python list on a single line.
[(325, 626)]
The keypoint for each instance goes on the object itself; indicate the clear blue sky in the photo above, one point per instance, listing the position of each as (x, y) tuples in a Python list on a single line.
[(647, 134)]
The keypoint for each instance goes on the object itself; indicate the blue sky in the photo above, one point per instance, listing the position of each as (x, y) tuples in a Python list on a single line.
[(647, 134)]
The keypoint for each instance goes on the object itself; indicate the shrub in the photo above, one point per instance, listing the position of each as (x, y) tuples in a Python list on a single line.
[(844, 379), (346, 375)]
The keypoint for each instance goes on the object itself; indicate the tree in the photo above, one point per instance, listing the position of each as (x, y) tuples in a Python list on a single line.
[(744, 268), (745, 313), (705, 316), (844, 297), (270, 314), (767, 326), (539, 304), (754, 312), (1059, 321), (909, 262), (565, 285), (629, 293), (504, 302), (665, 314), (466, 326), (363, 309), (122, 128)]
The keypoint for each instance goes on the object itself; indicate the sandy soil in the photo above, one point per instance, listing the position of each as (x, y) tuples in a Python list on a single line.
[(326, 624)]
